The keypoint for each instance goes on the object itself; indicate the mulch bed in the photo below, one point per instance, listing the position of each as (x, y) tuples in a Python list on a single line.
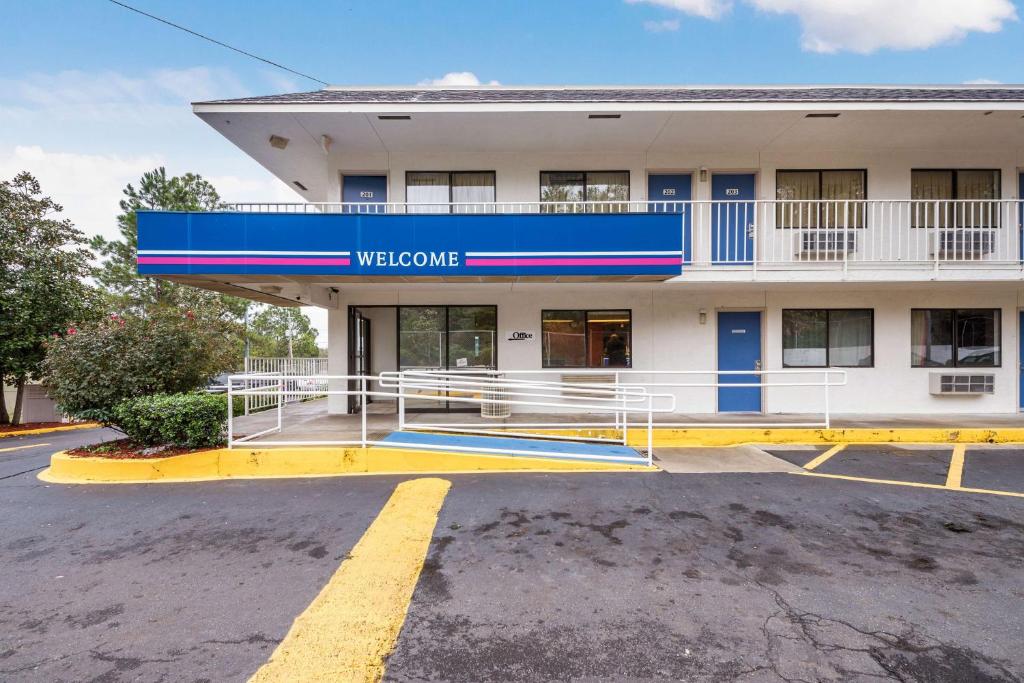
[(6, 429), (126, 449)]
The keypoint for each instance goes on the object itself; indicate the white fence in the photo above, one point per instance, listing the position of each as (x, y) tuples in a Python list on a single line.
[(299, 377), (836, 233)]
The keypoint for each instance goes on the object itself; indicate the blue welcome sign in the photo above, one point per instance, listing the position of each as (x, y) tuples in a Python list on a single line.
[(183, 243)]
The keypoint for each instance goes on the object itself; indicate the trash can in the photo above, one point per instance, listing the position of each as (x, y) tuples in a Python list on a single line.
[(495, 393)]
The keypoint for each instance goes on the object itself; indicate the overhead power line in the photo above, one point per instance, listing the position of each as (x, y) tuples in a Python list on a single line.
[(217, 42)]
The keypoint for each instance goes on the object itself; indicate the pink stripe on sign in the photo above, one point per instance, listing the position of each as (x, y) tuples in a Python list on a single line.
[(623, 261), (239, 261)]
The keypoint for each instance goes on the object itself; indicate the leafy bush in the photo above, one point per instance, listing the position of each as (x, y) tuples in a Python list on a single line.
[(93, 367), (185, 420)]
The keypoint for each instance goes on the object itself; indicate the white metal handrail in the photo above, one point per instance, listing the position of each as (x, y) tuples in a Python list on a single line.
[(780, 233), (621, 400), (821, 378)]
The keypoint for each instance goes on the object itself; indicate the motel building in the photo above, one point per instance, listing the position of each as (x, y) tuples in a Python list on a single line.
[(869, 238)]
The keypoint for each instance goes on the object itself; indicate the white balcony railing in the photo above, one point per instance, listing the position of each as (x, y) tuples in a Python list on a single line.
[(783, 234)]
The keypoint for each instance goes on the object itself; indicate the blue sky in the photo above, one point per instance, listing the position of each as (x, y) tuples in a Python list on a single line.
[(92, 95)]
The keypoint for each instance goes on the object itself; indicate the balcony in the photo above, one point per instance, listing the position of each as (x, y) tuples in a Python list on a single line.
[(735, 240)]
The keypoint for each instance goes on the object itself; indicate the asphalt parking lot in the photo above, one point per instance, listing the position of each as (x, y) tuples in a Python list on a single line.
[(654, 576)]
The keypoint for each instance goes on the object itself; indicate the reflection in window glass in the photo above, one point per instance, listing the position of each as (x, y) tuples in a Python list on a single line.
[(564, 187), (804, 339), (421, 337), (471, 333), (977, 338), (563, 339), (608, 339), (955, 338), (586, 339), (818, 338)]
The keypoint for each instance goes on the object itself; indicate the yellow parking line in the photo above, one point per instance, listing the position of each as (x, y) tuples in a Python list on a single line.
[(915, 484), (956, 467), (18, 448), (814, 464), (351, 626)]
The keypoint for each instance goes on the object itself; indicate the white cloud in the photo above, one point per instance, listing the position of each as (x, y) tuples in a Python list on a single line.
[(661, 26), (708, 9), (982, 81), (456, 78), (87, 185), (865, 26)]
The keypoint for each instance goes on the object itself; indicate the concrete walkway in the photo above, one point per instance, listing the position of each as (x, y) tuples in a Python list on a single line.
[(309, 421), (701, 460)]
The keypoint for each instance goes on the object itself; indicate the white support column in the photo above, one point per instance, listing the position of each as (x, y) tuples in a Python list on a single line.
[(337, 356)]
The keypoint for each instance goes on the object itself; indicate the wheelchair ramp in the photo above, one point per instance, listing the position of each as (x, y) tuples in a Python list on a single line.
[(509, 446)]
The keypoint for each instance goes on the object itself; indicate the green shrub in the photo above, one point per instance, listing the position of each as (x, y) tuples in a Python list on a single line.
[(184, 420), (96, 365)]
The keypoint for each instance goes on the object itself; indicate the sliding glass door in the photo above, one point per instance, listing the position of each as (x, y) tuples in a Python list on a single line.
[(446, 338)]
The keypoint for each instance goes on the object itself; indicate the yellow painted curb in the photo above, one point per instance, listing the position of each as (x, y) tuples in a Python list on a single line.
[(252, 463), (47, 430), (728, 436), (351, 627)]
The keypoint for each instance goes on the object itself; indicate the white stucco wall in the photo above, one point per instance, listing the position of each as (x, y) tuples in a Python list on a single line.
[(667, 334)]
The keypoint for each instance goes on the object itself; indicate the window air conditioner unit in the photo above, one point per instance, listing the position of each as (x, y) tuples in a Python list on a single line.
[(829, 243), (964, 244), (949, 384)]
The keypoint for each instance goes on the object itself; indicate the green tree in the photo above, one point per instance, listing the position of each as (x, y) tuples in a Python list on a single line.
[(43, 263), (91, 368), (129, 294), (282, 332)]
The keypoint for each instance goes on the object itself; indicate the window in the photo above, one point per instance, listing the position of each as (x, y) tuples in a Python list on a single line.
[(586, 339), (564, 187), (439, 189), (955, 338), (822, 338), (951, 192), (812, 199)]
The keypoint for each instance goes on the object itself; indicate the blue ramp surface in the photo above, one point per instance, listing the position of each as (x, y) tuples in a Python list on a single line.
[(503, 445)]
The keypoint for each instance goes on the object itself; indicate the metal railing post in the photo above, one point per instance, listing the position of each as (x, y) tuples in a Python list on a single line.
[(650, 431), (231, 414), (401, 401), (362, 403), (828, 386), (280, 403)]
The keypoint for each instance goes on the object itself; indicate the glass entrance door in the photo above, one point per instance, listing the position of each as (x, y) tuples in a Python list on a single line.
[(446, 338), (358, 355)]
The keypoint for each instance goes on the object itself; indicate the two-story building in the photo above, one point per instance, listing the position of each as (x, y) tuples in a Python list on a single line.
[(872, 229)]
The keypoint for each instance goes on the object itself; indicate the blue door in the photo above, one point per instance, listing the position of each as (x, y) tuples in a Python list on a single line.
[(364, 189), (732, 224), (739, 348), (669, 193)]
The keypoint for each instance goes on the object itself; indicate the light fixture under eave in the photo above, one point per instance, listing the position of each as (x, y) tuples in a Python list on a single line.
[(278, 142), (604, 116), (299, 185), (822, 115), (393, 117)]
